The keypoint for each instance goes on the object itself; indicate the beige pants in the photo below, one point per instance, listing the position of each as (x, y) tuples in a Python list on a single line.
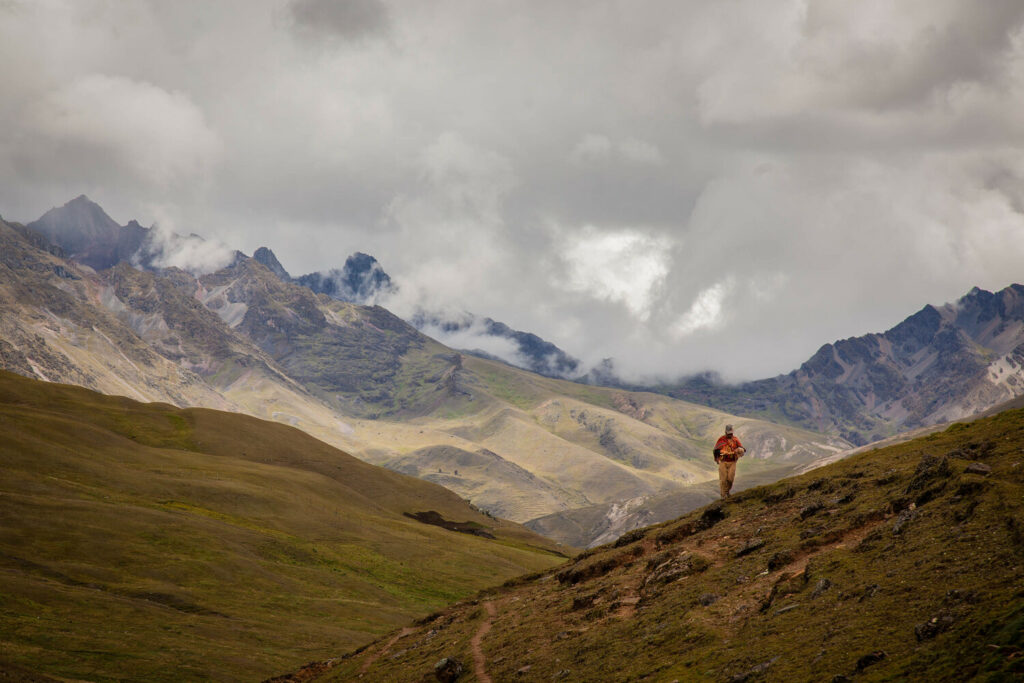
[(726, 475)]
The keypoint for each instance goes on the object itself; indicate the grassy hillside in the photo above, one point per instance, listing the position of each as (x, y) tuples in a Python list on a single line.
[(145, 542), (903, 563)]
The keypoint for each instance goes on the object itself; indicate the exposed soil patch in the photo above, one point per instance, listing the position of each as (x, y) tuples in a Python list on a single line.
[(435, 518), (368, 662)]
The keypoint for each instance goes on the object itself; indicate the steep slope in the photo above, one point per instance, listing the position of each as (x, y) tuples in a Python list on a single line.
[(224, 547), (897, 564), (939, 364)]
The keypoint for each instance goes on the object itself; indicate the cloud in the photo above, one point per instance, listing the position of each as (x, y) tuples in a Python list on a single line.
[(622, 266), (165, 248), (707, 311), (598, 148), (693, 186), (112, 124), (346, 19)]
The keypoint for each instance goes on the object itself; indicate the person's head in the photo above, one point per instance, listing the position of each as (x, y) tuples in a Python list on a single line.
[(728, 429)]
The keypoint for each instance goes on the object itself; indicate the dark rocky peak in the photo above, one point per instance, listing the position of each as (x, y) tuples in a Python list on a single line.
[(359, 281), (980, 306), (535, 354), (83, 229), (267, 258)]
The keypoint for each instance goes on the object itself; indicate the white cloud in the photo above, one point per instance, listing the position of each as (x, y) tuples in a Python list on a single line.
[(707, 311), (169, 249), (622, 266)]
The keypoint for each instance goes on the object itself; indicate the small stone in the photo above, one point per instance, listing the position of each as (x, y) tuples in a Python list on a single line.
[(750, 546), (869, 659), (779, 560), (933, 626), (448, 669), (524, 670), (869, 592), (820, 587), (708, 599), (787, 608), (978, 468), (811, 509), (902, 519)]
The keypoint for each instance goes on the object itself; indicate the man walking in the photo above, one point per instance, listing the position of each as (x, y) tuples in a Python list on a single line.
[(728, 450)]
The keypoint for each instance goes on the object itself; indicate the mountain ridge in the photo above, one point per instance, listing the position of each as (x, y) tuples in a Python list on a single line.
[(939, 364)]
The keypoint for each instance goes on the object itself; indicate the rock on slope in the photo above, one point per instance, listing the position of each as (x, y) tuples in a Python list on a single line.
[(898, 564)]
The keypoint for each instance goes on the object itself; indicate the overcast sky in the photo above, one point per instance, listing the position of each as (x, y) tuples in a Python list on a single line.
[(678, 185)]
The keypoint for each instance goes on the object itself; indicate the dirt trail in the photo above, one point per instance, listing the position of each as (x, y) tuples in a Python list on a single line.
[(479, 661), (383, 651)]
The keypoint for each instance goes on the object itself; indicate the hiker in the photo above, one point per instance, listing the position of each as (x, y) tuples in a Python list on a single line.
[(728, 450)]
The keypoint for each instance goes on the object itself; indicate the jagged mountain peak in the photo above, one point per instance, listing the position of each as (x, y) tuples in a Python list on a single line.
[(267, 257), (80, 216)]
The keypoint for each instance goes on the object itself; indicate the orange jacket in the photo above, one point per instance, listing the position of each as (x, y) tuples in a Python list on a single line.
[(726, 447)]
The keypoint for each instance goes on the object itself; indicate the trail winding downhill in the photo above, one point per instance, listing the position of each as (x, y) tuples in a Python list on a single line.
[(479, 661)]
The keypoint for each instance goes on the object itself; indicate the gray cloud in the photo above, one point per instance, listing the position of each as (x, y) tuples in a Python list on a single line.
[(678, 185), (347, 19)]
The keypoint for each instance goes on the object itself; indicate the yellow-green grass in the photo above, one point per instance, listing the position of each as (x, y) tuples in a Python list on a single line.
[(899, 564), (145, 542)]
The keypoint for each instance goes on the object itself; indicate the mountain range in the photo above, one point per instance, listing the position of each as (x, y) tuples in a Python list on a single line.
[(518, 445), (942, 363)]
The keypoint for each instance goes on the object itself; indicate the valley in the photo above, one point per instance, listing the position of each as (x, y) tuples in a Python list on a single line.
[(519, 445), (146, 542)]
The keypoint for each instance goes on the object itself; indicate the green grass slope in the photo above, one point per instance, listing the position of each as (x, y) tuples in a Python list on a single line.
[(146, 542), (900, 564)]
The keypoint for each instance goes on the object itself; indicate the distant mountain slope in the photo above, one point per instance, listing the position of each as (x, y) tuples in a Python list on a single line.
[(225, 547), (359, 378), (901, 564), (940, 364)]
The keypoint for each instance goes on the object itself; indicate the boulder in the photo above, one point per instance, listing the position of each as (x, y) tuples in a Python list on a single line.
[(448, 669), (750, 546), (870, 659), (978, 468), (934, 626)]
